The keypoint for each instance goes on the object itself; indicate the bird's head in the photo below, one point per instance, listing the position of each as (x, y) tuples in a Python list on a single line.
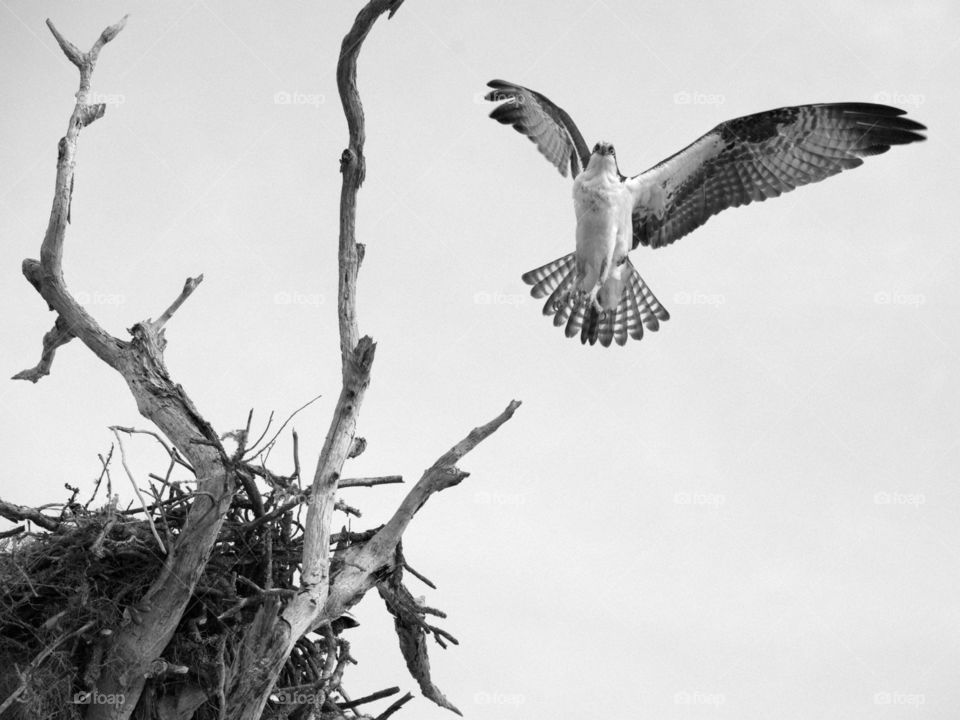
[(604, 158), (603, 149)]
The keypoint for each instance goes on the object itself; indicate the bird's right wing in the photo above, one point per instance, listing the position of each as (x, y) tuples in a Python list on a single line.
[(546, 124)]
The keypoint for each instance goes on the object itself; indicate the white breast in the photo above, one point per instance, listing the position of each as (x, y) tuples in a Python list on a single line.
[(597, 192)]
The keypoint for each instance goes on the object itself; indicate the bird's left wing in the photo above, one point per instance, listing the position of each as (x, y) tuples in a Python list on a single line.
[(546, 124), (759, 156)]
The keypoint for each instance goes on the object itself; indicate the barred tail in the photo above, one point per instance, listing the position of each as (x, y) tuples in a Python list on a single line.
[(546, 278), (638, 306)]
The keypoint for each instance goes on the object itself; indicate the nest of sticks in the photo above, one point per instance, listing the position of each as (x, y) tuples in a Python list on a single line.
[(67, 587)]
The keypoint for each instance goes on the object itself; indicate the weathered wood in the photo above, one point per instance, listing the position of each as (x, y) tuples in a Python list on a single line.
[(139, 360), (133, 652), (356, 363)]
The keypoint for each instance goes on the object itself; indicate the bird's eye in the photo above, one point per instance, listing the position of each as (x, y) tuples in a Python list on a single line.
[(612, 151), (596, 148)]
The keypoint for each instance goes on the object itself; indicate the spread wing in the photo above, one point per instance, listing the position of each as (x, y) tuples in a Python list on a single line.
[(549, 126), (760, 156)]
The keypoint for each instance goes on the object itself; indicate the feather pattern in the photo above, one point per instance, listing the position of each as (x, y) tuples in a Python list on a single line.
[(638, 306), (546, 278), (546, 124), (760, 156)]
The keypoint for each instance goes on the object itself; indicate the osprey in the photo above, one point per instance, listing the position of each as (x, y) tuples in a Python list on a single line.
[(595, 290)]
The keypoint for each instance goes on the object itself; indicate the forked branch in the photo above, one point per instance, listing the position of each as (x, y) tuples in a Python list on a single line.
[(135, 648)]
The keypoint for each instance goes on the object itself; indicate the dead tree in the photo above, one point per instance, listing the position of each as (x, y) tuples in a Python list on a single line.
[(230, 496)]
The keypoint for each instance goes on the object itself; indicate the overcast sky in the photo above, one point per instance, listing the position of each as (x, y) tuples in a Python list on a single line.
[(750, 514)]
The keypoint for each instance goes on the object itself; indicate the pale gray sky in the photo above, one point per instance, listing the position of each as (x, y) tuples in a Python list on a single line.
[(751, 514)]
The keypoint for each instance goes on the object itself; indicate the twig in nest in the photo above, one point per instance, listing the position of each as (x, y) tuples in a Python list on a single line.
[(370, 481), (272, 440), (395, 706), (265, 431), (251, 599), (268, 560), (25, 675), (105, 466), (242, 447), (418, 576), (143, 504), (222, 676), (33, 590), (379, 695), (160, 667), (96, 549), (74, 491), (330, 662), (346, 509), (438, 634), (250, 486), (296, 456), (343, 658), (171, 451)]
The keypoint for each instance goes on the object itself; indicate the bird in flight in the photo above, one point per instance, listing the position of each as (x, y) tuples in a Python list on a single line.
[(596, 291)]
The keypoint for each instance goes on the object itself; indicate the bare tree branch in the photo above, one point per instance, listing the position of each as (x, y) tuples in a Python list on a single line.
[(394, 707), (320, 600), (369, 698), (59, 334), (371, 481), (329, 583), (251, 683), (188, 287), (135, 647), (356, 354), (17, 513), (411, 631), (441, 475)]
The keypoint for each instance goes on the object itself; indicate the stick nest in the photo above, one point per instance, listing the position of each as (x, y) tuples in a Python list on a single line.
[(66, 592)]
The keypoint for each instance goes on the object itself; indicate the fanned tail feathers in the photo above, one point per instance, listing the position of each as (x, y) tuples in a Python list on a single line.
[(638, 307)]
